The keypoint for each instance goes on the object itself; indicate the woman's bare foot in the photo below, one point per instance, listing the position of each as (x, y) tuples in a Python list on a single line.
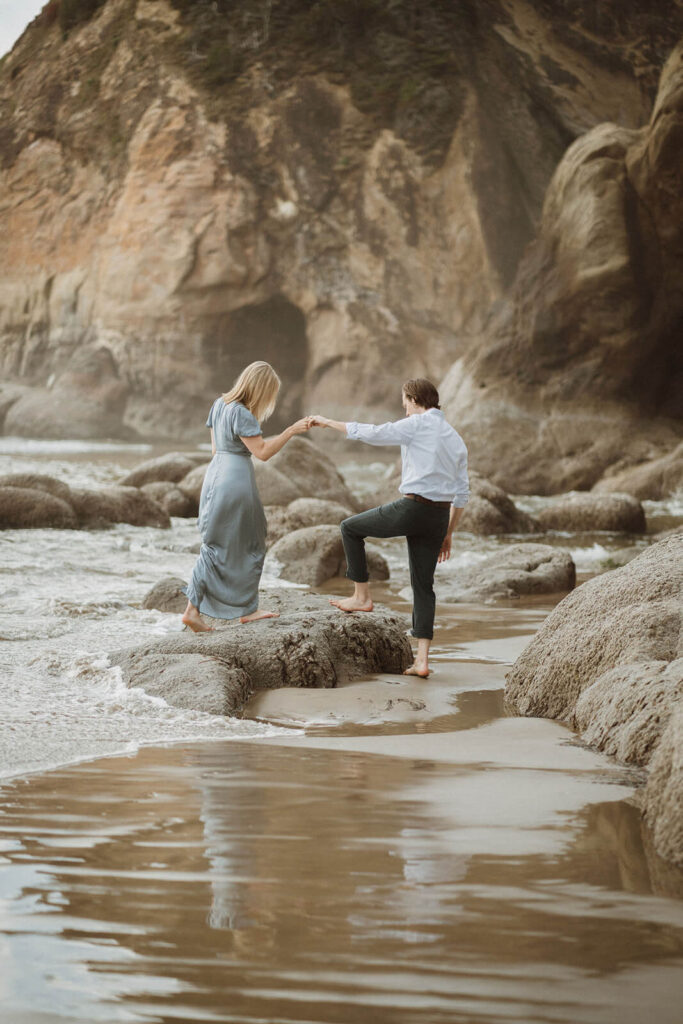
[(196, 624), (259, 615), (417, 669), (352, 604)]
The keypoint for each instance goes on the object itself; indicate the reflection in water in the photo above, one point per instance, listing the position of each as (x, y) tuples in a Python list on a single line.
[(244, 882)]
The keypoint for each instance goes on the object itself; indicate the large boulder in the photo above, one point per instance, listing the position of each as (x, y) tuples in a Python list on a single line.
[(311, 645), (514, 571), (312, 472), (117, 505), (171, 498), (608, 661), (652, 480), (491, 511), (301, 513), (275, 487), (171, 467), (316, 553), (662, 798), (586, 513), (27, 508)]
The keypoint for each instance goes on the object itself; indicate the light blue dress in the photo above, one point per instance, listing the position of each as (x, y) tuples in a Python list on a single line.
[(225, 579)]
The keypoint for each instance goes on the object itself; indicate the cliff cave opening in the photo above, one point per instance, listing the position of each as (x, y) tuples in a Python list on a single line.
[(274, 330)]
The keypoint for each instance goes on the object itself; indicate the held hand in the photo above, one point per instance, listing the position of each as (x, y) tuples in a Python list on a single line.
[(319, 421), (301, 426), (445, 552)]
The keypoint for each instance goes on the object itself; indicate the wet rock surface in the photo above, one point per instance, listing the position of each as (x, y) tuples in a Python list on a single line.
[(311, 644), (513, 571), (608, 661)]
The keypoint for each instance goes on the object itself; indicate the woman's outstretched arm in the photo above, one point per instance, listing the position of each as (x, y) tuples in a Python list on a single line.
[(264, 448)]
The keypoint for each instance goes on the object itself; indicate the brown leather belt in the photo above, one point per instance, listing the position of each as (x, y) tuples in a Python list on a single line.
[(427, 501)]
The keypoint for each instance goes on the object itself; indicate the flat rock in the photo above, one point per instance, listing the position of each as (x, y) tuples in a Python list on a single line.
[(608, 661), (316, 553), (171, 467), (311, 644), (27, 508), (584, 513), (516, 570)]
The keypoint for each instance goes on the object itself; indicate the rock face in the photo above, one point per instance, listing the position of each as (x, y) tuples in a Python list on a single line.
[(188, 186), (309, 645), (316, 553), (580, 363), (608, 660), (651, 480), (516, 570), (579, 513)]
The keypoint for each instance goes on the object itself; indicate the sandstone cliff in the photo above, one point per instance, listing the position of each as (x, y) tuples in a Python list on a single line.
[(348, 190)]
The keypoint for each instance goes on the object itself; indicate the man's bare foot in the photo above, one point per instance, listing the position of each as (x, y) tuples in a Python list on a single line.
[(352, 604), (417, 669), (196, 624), (259, 615)]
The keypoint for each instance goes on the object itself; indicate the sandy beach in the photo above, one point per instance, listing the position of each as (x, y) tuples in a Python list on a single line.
[(399, 851)]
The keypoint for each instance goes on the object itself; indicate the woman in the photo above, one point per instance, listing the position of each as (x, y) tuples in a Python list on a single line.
[(232, 523)]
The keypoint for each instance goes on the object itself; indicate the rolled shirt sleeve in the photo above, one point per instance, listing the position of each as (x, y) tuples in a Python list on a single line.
[(398, 432), (462, 493)]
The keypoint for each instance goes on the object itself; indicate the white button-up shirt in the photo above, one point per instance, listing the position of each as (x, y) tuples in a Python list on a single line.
[(434, 455)]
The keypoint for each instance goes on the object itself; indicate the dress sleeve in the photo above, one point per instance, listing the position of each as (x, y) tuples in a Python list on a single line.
[(246, 424)]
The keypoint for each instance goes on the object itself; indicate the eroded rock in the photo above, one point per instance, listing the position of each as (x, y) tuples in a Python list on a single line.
[(608, 660), (311, 644), (491, 511), (514, 571), (166, 596), (653, 480)]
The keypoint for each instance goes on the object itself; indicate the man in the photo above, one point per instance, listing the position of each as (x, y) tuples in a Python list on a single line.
[(433, 481)]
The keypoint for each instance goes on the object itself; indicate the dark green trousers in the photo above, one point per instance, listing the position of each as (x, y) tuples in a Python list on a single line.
[(424, 527)]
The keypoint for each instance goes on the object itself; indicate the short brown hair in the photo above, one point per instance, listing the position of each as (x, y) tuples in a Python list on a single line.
[(422, 392)]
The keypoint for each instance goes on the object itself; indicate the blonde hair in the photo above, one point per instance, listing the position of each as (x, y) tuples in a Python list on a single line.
[(256, 387)]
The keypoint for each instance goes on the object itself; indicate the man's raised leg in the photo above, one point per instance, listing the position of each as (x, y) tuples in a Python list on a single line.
[(384, 521)]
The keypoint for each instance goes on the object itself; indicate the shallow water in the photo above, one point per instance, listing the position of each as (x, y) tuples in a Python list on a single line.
[(386, 851)]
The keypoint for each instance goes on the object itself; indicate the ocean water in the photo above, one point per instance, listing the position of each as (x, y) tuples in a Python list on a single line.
[(69, 596)]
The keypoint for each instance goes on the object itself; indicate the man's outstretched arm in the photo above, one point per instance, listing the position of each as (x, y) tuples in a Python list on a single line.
[(397, 432)]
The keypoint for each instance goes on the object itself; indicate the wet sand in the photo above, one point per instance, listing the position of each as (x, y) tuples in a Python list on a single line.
[(408, 854)]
